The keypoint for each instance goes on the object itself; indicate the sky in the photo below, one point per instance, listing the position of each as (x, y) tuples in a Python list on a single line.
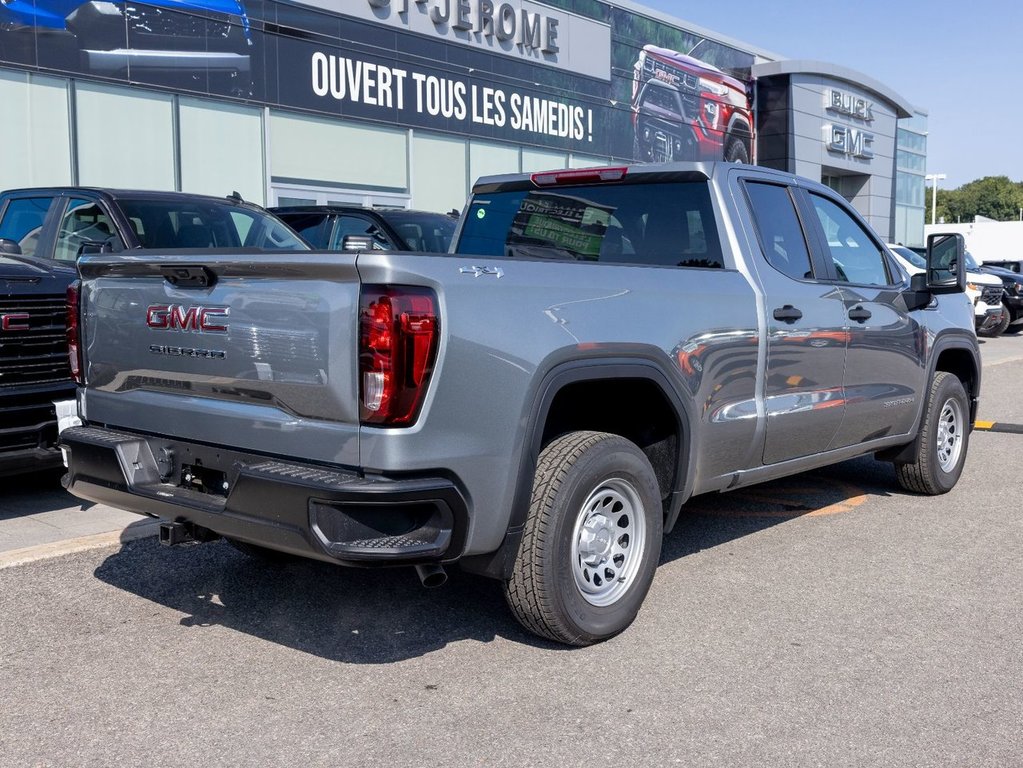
[(962, 63)]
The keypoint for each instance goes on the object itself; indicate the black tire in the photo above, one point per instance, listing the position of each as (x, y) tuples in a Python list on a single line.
[(988, 333), (1003, 325), (737, 150), (944, 439), (256, 552), (1014, 329), (591, 541)]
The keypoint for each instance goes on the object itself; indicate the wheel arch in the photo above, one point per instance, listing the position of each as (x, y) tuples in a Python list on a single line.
[(954, 352), (559, 405), (739, 125)]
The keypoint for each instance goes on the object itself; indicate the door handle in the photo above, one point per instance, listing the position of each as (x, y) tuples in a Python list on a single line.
[(859, 314), (788, 313)]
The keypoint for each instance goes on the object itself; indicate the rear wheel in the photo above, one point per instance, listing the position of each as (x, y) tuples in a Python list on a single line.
[(944, 440), (591, 541)]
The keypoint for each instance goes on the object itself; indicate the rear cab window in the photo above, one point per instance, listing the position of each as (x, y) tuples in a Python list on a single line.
[(663, 224)]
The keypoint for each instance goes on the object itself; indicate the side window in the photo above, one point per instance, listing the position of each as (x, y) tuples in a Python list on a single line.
[(243, 226), (83, 222), (857, 257), (780, 232), (23, 222), (358, 225), (308, 225)]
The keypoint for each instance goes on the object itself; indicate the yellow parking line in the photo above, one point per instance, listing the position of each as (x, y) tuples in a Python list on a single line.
[(998, 426)]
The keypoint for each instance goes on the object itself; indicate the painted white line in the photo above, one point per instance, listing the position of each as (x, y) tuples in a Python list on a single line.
[(993, 363), (81, 544)]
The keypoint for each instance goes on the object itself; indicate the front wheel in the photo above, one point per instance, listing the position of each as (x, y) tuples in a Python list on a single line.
[(944, 439), (1003, 324), (737, 150), (1014, 329), (591, 541)]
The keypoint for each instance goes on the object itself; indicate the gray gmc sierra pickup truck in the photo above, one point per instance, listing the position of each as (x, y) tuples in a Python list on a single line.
[(535, 405)]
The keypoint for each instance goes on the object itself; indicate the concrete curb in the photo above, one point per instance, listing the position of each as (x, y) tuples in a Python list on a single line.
[(81, 544)]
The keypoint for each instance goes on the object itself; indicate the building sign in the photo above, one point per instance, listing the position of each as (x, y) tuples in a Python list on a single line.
[(851, 141), (505, 22), (583, 77), (849, 105), (461, 100), (520, 29)]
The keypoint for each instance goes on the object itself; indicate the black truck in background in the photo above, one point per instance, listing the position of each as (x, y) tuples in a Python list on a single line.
[(43, 231), (338, 227), (34, 368)]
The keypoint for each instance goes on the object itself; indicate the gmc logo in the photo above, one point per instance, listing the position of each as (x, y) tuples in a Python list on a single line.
[(175, 317), (14, 321)]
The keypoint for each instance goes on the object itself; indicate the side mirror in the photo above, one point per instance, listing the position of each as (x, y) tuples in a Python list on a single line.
[(9, 246), (946, 263)]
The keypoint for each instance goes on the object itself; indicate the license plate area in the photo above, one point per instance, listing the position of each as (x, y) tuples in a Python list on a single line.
[(196, 477)]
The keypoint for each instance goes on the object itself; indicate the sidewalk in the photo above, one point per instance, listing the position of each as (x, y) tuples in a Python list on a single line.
[(39, 519)]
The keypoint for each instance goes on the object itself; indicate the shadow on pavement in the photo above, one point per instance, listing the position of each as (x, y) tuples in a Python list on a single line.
[(384, 615), (35, 493)]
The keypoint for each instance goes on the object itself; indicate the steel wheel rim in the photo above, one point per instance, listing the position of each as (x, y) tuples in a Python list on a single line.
[(950, 435), (608, 542)]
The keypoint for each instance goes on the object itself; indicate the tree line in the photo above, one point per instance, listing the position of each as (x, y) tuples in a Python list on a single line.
[(995, 197)]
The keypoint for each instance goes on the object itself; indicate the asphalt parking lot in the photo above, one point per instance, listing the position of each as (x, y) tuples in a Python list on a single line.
[(828, 619)]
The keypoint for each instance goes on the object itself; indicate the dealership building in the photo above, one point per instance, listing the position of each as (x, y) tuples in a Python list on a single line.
[(406, 102)]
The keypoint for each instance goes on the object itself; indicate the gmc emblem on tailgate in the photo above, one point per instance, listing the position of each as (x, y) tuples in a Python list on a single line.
[(175, 317), (14, 321)]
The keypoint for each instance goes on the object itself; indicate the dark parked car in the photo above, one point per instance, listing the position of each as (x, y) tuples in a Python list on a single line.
[(42, 234), (1012, 298), (355, 228), (61, 223)]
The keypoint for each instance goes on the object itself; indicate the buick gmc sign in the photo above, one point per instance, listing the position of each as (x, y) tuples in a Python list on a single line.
[(848, 140), (850, 105)]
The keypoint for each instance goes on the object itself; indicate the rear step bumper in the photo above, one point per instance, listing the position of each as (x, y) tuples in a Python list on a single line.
[(328, 514)]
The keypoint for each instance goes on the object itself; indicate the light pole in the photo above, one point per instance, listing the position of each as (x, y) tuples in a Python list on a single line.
[(934, 178)]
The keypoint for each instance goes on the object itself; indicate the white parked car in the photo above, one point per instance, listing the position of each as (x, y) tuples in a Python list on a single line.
[(985, 291)]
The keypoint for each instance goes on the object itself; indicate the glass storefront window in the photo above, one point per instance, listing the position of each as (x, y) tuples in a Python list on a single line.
[(911, 141), (34, 131), (221, 149), (909, 189), (909, 161), (105, 158)]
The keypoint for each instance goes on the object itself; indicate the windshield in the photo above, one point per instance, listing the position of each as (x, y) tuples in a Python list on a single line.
[(913, 258), (202, 223), (422, 231), (971, 263)]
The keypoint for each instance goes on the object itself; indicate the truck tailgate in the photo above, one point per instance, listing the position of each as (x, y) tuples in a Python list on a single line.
[(262, 357)]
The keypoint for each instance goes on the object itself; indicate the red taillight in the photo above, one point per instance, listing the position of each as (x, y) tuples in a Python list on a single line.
[(578, 176), (74, 350), (398, 330)]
